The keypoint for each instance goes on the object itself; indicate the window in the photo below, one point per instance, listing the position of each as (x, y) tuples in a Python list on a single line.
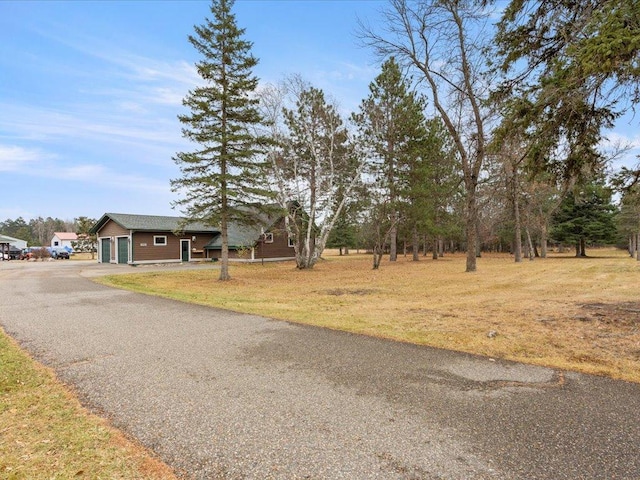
[(291, 242), (159, 240), (56, 243), (268, 237)]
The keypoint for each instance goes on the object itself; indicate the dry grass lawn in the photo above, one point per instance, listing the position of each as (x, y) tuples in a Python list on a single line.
[(83, 256), (575, 314)]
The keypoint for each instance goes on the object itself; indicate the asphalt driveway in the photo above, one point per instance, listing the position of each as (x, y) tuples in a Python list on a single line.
[(222, 395)]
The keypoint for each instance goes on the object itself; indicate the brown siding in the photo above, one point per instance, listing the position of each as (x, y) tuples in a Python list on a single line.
[(280, 247), (197, 246), (111, 229), (145, 251)]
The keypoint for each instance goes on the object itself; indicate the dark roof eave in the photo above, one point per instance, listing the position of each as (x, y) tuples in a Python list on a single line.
[(114, 217)]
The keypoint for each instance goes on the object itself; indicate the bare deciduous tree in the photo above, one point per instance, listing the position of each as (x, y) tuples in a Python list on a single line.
[(443, 40)]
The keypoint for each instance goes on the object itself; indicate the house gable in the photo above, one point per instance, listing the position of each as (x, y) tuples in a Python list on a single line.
[(63, 239)]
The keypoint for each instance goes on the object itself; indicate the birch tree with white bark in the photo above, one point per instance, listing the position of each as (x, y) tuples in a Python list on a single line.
[(314, 167)]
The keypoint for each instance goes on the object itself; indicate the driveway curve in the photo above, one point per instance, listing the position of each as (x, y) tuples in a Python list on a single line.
[(222, 395)]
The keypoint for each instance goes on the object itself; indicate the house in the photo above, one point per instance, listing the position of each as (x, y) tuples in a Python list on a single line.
[(63, 240), (140, 239)]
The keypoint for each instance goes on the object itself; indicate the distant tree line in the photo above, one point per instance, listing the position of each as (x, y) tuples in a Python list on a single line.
[(39, 231)]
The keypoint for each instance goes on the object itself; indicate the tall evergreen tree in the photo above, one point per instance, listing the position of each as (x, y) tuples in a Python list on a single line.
[(572, 67), (391, 125), (587, 215), (431, 181), (220, 179)]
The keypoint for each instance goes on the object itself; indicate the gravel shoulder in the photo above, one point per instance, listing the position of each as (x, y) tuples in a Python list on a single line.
[(221, 395)]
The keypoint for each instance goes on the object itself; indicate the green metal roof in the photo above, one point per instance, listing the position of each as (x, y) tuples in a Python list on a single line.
[(238, 236), (155, 223)]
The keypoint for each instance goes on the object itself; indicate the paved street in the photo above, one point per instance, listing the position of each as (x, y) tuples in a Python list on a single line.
[(221, 395)]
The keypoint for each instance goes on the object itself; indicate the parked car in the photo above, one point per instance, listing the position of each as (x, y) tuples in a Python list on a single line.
[(60, 254), (12, 254)]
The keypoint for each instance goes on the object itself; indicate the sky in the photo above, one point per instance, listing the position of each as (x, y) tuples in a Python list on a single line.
[(90, 92)]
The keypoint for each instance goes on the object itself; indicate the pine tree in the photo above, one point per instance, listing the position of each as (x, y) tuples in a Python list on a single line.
[(221, 178), (572, 68), (431, 180), (586, 215), (391, 126)]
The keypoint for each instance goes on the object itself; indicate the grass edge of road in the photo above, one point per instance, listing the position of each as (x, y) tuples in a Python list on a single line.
[(46, 433)]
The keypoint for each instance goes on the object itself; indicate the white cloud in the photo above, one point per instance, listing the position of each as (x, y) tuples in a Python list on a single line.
[(94, 174), (89, 123), (619, 139), (623, 147), (14, 158)]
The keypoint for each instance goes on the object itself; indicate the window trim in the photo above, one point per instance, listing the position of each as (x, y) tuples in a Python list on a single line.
[(268, 237), (162, 243)]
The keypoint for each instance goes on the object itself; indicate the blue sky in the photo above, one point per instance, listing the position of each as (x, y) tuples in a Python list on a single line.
[(90, 92)]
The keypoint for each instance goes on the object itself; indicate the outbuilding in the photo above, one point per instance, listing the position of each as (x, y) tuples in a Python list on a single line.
[(15, 242), (139, 239), (5, 248)]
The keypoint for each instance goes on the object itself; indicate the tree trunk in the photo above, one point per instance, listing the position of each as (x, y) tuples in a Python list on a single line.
[(530, 245), (416, 245), (543, 241), (638, 246), (377, 257), (581, 248), (393, 241), (517, 245), (471, 227), (517, 241), (224, 256)]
